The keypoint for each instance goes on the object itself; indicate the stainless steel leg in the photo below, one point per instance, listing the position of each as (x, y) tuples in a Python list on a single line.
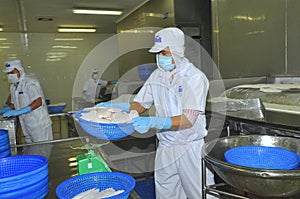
[(60, 133), (228, 131), (203, 179), (212, 189)]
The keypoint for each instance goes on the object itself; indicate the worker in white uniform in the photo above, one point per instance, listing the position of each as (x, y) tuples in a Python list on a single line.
[(93, 85), (178, 90), (26, 100)]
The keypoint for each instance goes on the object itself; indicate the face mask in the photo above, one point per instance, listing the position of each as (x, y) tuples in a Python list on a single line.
[(165, 62), (13, 78), (95, 76)]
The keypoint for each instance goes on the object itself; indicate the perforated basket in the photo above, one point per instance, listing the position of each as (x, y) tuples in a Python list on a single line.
[(3, 134), (100, 180), (56, 108), (262, 157), (23, 175), (105, 131), (145, 70), (4, 144)]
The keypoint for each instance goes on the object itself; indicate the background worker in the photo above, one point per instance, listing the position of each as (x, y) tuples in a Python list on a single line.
[(26, 100), (93, 85)]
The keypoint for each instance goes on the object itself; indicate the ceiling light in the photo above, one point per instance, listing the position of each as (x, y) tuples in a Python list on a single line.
[(97, 12), (68, 39), (1, 29), (69, 47), (76, 29)]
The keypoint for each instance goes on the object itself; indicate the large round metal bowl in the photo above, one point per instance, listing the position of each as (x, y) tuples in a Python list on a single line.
[(264, 183)]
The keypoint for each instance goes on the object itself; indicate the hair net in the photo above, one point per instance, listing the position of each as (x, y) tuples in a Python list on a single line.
[(174, 39), (14, 64)]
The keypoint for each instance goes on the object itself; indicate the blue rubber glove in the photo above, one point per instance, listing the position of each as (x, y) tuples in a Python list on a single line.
[(143, 124), (125, 106), (4, 109), (21, 111)]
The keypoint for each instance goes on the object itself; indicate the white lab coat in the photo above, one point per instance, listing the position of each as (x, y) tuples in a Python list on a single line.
[(178, 157), (36, 125), (92, 88)]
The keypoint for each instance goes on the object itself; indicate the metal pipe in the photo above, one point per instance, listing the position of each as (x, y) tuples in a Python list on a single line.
[(22, 23), (49, 142), (225, 193)]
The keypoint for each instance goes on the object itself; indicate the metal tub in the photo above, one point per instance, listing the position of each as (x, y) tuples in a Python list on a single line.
[(264, 183)]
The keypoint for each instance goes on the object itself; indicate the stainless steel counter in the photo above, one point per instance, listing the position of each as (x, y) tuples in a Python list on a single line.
[(259, 115)]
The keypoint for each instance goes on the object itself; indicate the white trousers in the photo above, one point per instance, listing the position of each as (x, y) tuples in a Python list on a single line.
[(178, 172), (38, 134)]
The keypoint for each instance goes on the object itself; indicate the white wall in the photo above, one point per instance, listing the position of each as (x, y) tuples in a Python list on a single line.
[(57, 76)]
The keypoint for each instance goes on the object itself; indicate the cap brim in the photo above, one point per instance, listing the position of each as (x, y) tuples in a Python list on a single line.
[(7, 70), (156, 48)]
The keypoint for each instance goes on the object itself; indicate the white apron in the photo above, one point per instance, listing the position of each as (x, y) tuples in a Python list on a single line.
[(36, 125), (178, 172)]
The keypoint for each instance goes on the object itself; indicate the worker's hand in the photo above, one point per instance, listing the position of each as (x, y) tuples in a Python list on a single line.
[(21, 111), (125, 106), (143, 124), (4, 109)]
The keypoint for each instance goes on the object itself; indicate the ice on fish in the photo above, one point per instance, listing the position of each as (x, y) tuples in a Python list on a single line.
[(96, 194), (109, 115)]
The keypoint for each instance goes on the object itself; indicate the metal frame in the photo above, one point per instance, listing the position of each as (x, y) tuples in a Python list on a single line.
[(212, 189)]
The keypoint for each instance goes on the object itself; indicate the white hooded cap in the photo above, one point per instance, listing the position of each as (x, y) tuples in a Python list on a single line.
[(13, 64), (169, 37), (93, 71)]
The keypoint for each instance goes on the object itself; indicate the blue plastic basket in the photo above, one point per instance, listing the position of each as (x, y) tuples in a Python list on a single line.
[(262, 157), (21, 175), (146, 70), (105, 131), (4, 143), (38, 190), (100, 180), (56, 109), (3, 134)]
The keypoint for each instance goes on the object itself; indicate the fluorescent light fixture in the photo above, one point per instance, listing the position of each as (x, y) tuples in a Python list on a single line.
[(52, 60), (4, 47), (68, 39), (3, 39), (137, 31), (76, 29), (96, 11), (1, 29), (65, 47)]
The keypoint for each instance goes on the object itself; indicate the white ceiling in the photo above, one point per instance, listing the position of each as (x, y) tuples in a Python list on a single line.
[(22, 15)]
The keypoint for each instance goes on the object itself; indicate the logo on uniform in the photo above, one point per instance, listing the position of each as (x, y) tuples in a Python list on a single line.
[(157, 39), (7, 65), (180, 90)]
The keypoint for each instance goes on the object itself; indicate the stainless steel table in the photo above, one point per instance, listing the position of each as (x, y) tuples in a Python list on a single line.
[(60, 115)]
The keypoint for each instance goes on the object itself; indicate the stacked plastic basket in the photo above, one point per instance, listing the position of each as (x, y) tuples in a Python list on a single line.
[(23, 177), (4, 144)]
